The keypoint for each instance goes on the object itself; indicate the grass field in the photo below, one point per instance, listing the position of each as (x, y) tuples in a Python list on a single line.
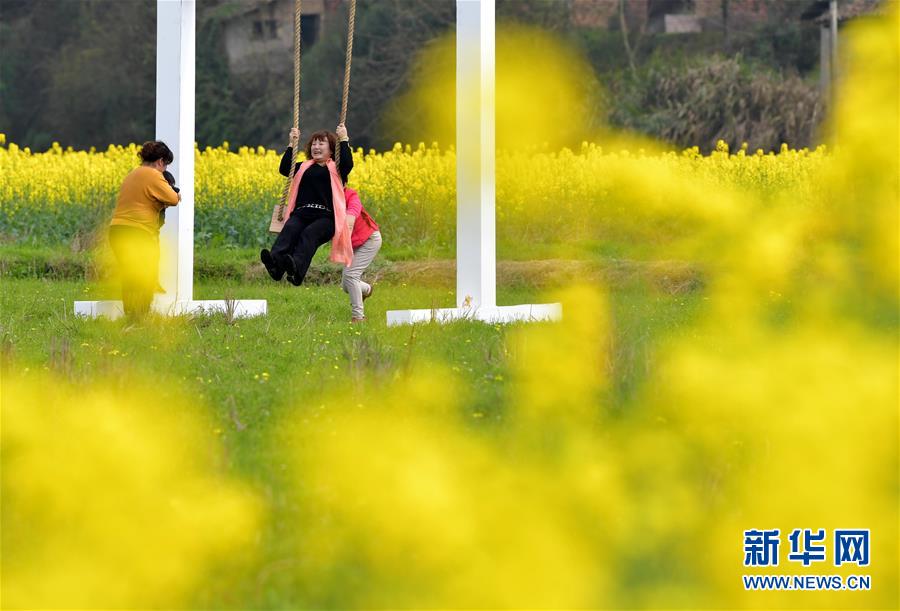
[(250, 375), (306, 337)]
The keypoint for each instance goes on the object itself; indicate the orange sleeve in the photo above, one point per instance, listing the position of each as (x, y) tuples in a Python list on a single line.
[(160, 190)]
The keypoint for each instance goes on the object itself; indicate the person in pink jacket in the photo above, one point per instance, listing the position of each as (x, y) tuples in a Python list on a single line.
[(365, 239)]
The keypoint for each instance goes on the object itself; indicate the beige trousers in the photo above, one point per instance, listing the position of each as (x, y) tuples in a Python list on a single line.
[(351, 277)]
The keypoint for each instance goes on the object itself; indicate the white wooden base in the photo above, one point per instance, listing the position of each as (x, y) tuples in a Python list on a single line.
[(496, 314), (243, 308)]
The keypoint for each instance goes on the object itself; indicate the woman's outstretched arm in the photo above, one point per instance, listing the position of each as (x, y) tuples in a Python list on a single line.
[(285, 167), (346, 154), (346, 161)]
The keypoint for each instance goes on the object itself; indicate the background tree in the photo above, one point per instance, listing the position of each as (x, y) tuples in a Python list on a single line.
[(83, 73), (31, 35), (102, 80)]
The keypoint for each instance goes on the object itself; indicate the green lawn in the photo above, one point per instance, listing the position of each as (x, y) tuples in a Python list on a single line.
[(252, 371)]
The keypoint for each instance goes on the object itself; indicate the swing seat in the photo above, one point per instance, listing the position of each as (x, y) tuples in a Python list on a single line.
[(278, 218)]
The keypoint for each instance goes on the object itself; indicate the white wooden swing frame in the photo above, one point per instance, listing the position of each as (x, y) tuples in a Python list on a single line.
[(476, 295)]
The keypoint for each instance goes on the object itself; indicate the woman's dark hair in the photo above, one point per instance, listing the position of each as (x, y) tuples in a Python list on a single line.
[(154, 150), (322, 135)]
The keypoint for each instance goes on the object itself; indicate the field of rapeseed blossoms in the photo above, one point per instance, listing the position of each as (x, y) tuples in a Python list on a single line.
[(52, 197)]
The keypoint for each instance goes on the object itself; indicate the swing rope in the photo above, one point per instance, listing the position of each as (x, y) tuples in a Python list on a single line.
[(287, 185), (345, 96)]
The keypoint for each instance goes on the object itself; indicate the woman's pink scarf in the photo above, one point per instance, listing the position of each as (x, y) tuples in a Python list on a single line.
[(341, 250)]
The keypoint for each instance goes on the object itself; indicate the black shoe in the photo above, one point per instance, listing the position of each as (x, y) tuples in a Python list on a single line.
[(287, 262), (275, 270)]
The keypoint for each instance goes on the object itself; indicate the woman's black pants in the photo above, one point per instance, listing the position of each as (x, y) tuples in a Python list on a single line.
[(301, 237)]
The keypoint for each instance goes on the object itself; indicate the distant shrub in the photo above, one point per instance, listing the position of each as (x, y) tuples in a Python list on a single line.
[(720, 99)]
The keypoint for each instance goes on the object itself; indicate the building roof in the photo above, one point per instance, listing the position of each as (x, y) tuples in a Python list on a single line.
[(820, 10)]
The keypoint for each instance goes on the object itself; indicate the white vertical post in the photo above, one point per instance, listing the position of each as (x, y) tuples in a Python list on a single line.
[(833, 20), (476, 263), (825, 62), (476, 252), (175, 20)]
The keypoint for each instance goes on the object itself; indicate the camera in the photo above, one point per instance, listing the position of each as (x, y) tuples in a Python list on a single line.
[(171, 180)]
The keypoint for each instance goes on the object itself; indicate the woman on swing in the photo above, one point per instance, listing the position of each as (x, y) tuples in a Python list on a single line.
[(316, 208)]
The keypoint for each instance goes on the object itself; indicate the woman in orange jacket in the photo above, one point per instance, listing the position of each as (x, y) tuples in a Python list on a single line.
[(134, 228)]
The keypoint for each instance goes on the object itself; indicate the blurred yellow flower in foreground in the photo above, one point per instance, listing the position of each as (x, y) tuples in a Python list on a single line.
[(430, 514), (111, 497)]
